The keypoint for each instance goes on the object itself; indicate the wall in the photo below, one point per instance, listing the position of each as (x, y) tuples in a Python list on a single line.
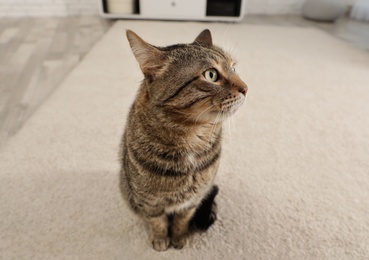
[(88, 7), (273, 6), (279, 6)]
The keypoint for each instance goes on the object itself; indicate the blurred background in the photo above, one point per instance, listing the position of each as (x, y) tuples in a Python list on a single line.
[(41, 41)]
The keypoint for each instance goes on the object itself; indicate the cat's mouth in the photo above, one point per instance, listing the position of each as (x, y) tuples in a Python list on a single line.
[(232, 105), (218, 111), (228, 107)]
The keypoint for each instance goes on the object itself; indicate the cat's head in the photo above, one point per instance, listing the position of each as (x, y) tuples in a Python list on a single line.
[(196, 82)]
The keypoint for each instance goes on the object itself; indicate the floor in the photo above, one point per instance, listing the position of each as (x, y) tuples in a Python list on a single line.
[(36, 54)]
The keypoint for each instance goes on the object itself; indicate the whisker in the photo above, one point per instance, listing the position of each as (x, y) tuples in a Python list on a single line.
[(188, 114), (197, 118), (213, 126), (230, 129), (224, 37), (234, 45), (216, 122), (233, 123)]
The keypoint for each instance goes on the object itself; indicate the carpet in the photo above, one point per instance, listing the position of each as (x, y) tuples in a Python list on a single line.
[(294, 174)]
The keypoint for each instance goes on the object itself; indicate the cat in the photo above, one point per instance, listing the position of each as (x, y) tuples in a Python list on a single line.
[(171, 145)]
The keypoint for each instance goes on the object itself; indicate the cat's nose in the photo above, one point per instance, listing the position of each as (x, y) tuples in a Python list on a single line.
[(239, 89), (243, 90), (238, 86)]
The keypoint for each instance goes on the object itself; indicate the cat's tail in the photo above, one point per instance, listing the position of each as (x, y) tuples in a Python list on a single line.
[(206, 213)]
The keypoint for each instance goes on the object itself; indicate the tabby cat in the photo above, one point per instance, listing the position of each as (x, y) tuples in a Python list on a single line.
[(171, 146)]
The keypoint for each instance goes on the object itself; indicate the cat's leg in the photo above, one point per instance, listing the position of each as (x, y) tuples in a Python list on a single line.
[(159, 232), (180, 227), (206, 213)]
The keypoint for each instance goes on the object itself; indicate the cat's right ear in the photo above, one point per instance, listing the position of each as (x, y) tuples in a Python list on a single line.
[(149, 57), (204, 38)]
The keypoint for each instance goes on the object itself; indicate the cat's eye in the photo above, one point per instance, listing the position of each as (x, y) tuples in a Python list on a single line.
[(211, 75)]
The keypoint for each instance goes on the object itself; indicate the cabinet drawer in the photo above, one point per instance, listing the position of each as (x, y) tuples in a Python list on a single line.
[(194, 9)]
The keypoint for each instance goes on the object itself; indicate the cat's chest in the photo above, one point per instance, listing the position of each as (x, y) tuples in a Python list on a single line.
[(191, 159), (189, 200), (202, 139)]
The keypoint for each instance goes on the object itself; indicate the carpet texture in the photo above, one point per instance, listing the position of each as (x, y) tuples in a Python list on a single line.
[(294, 175)]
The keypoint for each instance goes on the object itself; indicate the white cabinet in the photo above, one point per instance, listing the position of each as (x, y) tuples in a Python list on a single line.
[(173, 9), (197, 10)]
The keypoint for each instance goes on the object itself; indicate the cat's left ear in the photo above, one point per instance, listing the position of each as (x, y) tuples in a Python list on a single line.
[(148, 56), (204, 38)]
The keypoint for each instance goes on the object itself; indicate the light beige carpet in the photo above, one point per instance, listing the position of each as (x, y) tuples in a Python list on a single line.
[(294, 175)]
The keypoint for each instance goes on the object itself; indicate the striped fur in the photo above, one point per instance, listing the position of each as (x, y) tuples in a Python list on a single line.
[(171, 146)]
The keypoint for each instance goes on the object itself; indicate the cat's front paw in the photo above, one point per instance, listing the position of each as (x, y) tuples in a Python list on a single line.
[(160, 244), (179, 242), (213, 213)]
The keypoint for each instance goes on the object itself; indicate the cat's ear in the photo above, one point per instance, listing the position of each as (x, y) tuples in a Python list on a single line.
[(149, 57), (204, 38)]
